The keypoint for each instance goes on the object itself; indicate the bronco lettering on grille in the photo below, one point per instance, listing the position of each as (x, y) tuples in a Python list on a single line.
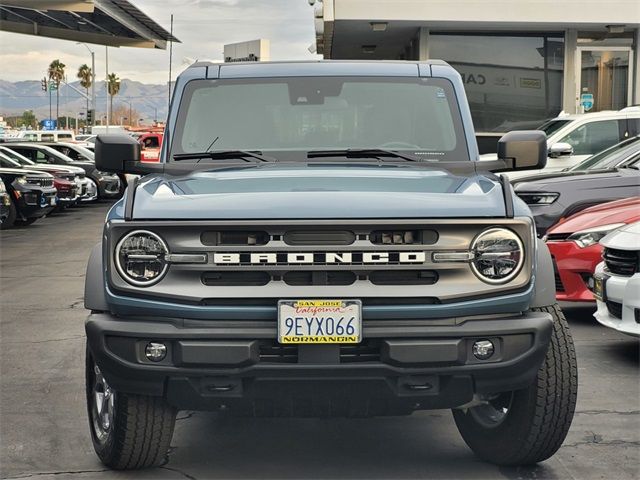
[(318, 258)]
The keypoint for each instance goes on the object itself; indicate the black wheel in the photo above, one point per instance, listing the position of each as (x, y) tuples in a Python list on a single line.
[(11, 218), (528, 426), (128, 431)]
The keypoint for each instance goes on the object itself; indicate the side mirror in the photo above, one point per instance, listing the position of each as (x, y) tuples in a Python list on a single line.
[(560, 149), (523, 150), (121, 154)]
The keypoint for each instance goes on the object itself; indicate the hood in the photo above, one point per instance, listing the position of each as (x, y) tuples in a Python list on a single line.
[(56, 168), (23, 171), (286, 191), (619, 211), (587, 180), (625, 238)]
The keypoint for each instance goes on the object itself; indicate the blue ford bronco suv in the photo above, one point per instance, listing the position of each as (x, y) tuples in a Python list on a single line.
[(321, 239)]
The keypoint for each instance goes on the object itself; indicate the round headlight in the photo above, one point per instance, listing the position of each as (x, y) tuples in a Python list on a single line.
[(498, 255), (140, 258)]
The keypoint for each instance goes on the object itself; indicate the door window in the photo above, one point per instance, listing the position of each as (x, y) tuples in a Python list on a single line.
[(593, 137), (605, 75)]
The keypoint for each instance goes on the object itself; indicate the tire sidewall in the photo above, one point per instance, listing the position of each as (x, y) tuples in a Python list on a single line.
[(103, 449)]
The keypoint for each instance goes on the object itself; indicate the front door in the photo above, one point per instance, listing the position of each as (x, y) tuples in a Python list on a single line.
[(604, 78)]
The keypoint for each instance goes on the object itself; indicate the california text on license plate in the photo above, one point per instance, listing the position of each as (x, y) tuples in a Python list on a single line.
[(319, 321)]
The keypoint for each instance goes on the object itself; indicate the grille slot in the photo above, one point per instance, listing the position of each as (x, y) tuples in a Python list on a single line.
[(615, 309), (322, 237), (556, 274), (276, 353), (621, 262), (403, 237), (236, 279), (319, 278), (361, 353), (234, 237), (403, 277), (557, 237)]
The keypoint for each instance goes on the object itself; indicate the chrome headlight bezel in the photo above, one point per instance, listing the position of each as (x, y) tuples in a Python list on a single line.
[(121, 270), (509, 235)]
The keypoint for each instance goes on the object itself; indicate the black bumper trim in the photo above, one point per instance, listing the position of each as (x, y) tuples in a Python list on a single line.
[(220, 364)]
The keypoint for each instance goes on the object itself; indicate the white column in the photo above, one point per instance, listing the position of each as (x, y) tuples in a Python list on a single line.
[(570, 88), (423, 44)]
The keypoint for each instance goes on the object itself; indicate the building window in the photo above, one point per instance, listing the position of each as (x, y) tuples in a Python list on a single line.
[(512, 82)]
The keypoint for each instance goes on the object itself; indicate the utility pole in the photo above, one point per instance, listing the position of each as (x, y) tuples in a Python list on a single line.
[(106, 58)]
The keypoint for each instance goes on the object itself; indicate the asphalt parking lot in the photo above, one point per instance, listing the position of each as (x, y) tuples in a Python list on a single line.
[(44, 432)]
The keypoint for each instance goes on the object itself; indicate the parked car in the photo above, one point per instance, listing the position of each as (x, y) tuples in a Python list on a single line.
[(32, 195), (573, 138), (46, 135), (319, 241), (74, 151), (63, 181), (5, 204), (87, 138), (101, 184), (150, 144), (66, 172), (574, 246), (617, 281), (555, 196)]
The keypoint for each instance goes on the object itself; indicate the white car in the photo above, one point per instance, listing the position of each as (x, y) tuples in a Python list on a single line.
[(572, 138), (617, 281)]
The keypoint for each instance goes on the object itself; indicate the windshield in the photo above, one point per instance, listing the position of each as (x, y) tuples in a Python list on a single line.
[(552, 126), (302, 114), (16, 157), (6, 162), (611, 157)]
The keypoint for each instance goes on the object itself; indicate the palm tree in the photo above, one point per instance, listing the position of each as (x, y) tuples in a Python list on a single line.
[(84, 74), (113, 87), (56, 75)]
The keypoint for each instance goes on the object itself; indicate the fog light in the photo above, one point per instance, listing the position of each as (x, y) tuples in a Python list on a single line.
[(483, 349), (155, 351)]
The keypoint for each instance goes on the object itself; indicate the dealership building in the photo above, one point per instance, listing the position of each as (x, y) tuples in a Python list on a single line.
[(522, 61)]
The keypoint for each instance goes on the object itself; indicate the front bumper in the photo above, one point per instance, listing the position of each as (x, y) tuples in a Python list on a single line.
[(32, 203), (575, 266), (401, 365), (621, 308), (109, 187)]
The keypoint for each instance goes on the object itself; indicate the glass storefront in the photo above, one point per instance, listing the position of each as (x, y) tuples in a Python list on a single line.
[(512, 82), (604, 74)]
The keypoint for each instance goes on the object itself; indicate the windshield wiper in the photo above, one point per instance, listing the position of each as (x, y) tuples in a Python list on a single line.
[(363, 153), (224, 154)]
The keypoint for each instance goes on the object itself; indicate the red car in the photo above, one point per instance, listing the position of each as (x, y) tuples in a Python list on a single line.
[(574, 246)]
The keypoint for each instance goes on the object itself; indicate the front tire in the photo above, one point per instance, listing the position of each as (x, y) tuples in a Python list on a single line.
[(127, 431), (8, 222), (528, 426)]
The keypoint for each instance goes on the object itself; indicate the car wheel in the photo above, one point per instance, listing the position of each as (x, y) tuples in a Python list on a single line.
[(127, 431), (528, 426), (11, 218)]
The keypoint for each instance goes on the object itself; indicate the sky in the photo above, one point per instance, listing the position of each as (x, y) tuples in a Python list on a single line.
[(203, 26)]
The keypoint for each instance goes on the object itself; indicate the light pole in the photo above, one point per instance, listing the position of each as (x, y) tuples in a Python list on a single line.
[(130, 111), (93, 81)]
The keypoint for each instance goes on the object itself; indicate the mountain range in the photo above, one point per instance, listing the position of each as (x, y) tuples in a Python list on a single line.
[(150, 101)]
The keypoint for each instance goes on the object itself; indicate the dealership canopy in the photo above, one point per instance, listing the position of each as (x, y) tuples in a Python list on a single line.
[(115, 23)]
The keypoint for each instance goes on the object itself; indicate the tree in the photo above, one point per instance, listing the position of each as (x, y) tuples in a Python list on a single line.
[(113, 87), (29, 119), (56, 75), (84, 74)]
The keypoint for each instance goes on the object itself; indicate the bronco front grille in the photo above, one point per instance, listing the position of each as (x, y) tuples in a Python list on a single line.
[(367, 351), (377, 261), (621, 262)]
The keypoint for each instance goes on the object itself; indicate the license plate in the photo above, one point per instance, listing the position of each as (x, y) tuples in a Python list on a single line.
[(599, 282), (53, 201), (319, 321)]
